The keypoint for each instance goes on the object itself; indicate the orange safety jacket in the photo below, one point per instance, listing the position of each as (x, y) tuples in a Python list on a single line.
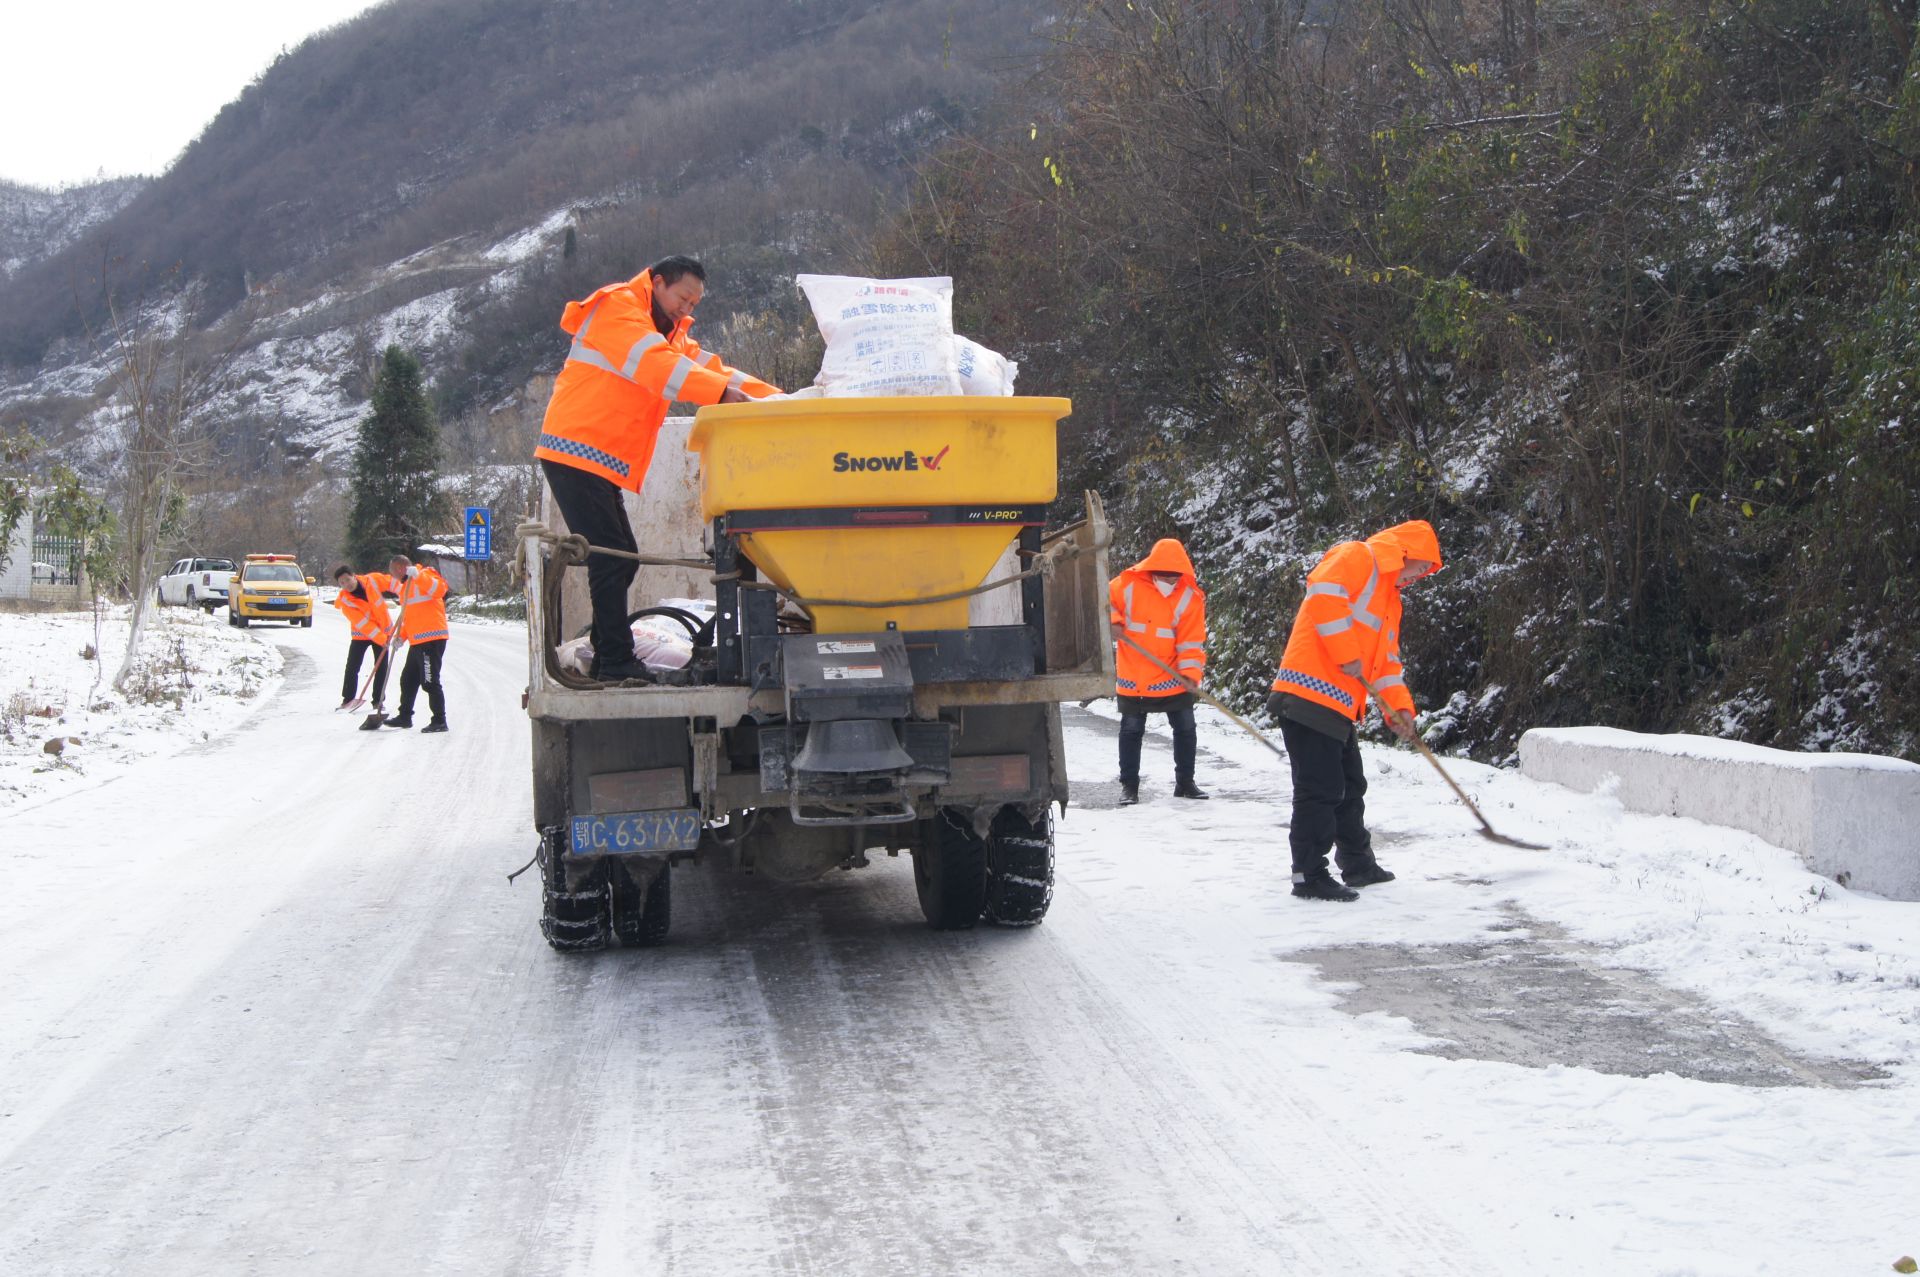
[(1352, 613), (1173, 627), (620, 376), (423, 602), (369, 616)]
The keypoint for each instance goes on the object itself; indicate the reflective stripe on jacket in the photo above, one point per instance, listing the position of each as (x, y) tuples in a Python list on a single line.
[(423, 600), (620, 376), (1351, 612), (1173, 627), (369, 616)]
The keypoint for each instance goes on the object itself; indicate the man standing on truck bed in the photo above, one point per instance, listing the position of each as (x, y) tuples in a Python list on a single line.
[(423, 624), (631, 358), (1158, 606), (1346, 634)]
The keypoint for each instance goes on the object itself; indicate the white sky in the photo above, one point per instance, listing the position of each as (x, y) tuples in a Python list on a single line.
[(124, 85)]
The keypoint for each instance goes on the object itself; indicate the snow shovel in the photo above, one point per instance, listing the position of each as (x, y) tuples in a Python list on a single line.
[(383, 653), (1197, 690), (1486, 830)]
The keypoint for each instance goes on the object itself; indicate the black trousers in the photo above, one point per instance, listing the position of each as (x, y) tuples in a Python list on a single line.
[(1329, 800), (422, 670), (1133, 730), (357, 652), (594, 508)]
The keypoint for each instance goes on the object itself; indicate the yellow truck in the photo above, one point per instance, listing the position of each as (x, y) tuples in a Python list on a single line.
[(845, 694)]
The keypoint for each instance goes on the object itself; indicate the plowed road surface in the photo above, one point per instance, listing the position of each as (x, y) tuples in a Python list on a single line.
[(272, 1007)]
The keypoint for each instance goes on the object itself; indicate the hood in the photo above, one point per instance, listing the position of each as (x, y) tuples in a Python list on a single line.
[(1167, 555), (641, 286), (1415, 539)]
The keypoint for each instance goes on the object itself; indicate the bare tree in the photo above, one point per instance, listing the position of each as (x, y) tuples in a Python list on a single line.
[(167, 373)]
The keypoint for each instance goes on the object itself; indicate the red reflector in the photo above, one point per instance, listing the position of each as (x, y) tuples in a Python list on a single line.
[(891, 516)]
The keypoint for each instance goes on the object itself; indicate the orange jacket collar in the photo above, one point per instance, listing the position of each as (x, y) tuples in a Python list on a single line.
[(641, 286)]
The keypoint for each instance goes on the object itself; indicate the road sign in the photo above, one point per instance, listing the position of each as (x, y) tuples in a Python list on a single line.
[(479, 532)]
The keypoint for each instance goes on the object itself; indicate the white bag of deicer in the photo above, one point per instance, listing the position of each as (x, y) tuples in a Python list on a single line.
[(884, 336), (982, 371)]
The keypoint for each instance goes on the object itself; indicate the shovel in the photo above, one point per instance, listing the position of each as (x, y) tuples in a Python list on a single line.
[(1487, 831), (1197, 690)]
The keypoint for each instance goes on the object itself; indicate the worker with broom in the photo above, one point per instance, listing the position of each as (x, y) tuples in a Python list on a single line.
[(1159, 616), (1345, 641)]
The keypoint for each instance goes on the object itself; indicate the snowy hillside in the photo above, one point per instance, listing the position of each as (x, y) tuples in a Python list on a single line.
[(36, 223)]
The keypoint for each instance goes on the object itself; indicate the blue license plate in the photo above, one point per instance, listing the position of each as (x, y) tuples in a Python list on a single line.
[(633, 832)]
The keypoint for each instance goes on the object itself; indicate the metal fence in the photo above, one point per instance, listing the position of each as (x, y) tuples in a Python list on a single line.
[(57, 560), (46, 569)]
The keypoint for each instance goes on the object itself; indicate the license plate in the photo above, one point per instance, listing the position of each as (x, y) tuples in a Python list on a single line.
[(630, 832)]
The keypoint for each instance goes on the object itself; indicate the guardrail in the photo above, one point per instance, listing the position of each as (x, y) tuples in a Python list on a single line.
[(1854, 818)]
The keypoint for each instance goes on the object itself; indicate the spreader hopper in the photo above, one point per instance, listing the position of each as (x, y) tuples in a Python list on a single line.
[(843, 501)]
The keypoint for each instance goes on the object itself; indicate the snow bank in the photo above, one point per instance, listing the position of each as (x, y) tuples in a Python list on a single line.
[(1850, 817), (64, 727)]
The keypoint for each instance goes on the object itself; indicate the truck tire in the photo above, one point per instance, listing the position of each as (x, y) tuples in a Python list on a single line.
[(950, 873), (573, 916), (1019, 868), (641, 915)]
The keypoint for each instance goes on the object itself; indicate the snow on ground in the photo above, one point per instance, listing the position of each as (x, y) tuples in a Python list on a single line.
[(1660, 1174), (197, 677), (1192, 1071)]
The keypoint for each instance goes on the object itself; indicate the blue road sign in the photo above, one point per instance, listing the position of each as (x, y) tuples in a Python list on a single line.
[(479, 532)]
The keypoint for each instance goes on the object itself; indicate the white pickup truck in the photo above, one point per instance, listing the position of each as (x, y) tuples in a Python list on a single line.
[(203, 583)]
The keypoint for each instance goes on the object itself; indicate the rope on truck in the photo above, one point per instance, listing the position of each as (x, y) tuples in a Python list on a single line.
[(574, 549)]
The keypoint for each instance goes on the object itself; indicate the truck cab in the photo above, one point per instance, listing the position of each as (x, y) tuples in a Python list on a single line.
[(884, 620)]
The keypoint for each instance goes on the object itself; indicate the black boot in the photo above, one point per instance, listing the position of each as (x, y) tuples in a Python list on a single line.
[(624, 672), (1187, 789), (1129, 792), (403, 719), (1366, 875), (1320, 885), (435, 725)]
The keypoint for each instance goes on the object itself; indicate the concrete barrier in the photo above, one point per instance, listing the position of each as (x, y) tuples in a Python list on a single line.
[(1853, 817)]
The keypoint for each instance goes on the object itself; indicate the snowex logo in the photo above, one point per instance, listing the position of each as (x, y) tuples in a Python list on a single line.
[(907, 459)]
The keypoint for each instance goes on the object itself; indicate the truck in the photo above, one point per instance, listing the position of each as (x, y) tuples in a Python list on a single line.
[(270, 587), (884, 622), (196, 582)]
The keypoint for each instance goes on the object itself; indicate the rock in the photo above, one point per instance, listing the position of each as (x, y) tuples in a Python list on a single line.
[(54, 745)]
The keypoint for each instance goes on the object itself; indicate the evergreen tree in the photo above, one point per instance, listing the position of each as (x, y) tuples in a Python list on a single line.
[(396, 463)]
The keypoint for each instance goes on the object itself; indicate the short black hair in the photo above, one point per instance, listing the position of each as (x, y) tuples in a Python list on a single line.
[(340, 570), (669, 270)]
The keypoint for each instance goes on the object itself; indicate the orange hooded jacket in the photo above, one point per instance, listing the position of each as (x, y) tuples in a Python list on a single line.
[(621, 374), (1352, 613), (1173, 627), (368, 615), (423, 603)]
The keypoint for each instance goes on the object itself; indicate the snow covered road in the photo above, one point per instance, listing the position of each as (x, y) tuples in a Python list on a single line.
[(319, 1033)]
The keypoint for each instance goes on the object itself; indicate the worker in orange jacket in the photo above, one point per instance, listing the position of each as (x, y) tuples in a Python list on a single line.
[(1347, 629), (423, 626), (631, 358), (362, 598), (1158, 605)]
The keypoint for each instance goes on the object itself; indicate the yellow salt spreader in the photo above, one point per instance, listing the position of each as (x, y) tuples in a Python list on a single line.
[(896, 617)]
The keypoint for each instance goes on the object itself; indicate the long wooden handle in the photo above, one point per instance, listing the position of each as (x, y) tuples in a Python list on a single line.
[(1197, 690), (1458, 792)]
